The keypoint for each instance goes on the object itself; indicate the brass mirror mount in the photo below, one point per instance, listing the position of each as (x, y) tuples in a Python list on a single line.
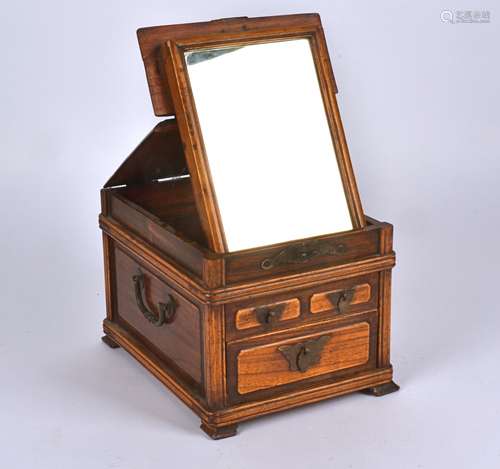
[(303, 253)]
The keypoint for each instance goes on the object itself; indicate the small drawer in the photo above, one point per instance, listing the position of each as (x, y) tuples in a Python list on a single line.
[(256, 316), (256, 367), (157, 314), (267, 315), (346, 296)]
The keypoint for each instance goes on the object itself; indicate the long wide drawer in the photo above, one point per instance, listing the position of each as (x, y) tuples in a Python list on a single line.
[(269, 365)]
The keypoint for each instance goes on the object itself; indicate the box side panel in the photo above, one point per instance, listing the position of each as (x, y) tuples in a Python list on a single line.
[(141, 298)]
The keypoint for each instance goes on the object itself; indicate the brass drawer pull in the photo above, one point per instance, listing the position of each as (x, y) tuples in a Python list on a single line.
[(303, 355), (269, 315), (166, 310), (341, 299)]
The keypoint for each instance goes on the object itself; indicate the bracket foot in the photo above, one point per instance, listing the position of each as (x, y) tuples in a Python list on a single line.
[(217, 433), (382, 389), (109, 341)]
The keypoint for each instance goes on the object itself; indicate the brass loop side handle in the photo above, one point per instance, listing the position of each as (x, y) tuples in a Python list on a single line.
[(269, 315), (166, 310), (304, 355), (341, 299)]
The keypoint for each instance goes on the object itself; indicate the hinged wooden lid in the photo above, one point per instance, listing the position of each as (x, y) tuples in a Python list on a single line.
[(158, 156), (152, 38)]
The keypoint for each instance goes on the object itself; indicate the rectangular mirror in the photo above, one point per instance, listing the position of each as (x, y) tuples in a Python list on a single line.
[(268, 143)]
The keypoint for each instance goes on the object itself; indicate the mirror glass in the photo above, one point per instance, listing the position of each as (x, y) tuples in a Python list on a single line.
[(268, 143)]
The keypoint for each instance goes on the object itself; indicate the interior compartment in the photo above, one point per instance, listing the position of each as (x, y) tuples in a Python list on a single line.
[(156, 180), (172, 203)]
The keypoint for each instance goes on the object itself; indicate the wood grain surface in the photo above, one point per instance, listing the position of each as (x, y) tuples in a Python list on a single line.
[(178, 342), (265, 366), (320, 301), (247, 318)]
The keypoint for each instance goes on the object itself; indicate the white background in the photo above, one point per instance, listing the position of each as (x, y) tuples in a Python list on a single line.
[(420, 101)]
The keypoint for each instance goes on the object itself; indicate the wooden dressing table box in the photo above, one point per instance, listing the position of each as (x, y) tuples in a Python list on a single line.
[(240, 269)]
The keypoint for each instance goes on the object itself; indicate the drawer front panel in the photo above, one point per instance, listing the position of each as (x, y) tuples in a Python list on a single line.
[(271, 365), (268, 366), (281, 311), (267, 315), (341, 299), (144, 306)]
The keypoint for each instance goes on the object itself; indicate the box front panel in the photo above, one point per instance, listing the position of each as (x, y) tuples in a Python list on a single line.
[(301, 256)]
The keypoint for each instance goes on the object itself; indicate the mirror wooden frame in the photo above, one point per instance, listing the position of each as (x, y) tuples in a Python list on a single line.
[(163, 53)]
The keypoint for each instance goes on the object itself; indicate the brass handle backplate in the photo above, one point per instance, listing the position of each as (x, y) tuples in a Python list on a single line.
[(303, 355), (341, 299), (166, 311), (303, 252), (270, 315)]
